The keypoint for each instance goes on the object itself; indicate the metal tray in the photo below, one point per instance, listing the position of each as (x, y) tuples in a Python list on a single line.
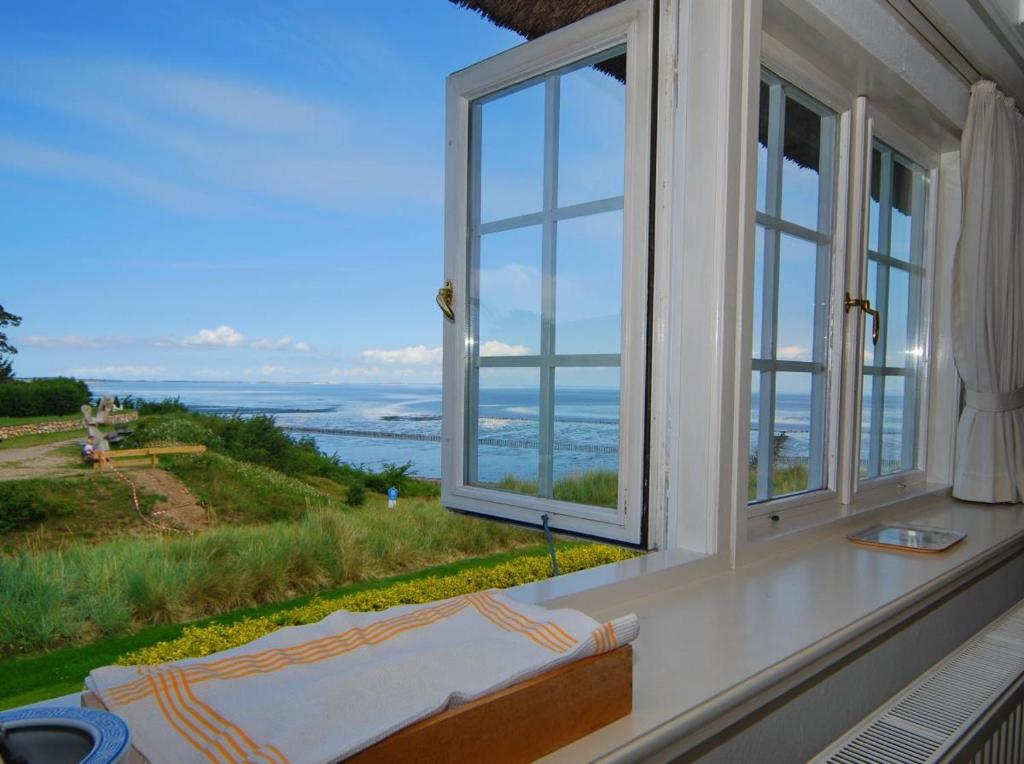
[(910, 538)]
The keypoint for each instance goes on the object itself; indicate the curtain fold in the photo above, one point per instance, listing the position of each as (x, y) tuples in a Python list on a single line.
[(988, 302)]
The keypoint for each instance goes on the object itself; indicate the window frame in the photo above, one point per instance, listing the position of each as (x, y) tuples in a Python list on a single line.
[(860, 122), (628, 23)]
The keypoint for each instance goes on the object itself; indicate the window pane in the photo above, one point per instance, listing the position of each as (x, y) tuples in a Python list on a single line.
[(762, 146), (755, 405), (902, 210), (895, 318), (892, 426), (800, 165), (512, 154), (874, 200), (867, 417), (592, 132), (798, 261), (588, 284), (758, 288), (510, 292), (791, 439), (586, 436), (505, 449)]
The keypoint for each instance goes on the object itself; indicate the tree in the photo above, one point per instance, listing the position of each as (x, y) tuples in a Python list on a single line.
[(7, 319)]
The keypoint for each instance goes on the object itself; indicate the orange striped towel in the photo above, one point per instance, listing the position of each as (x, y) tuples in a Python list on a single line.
[(322, 692)]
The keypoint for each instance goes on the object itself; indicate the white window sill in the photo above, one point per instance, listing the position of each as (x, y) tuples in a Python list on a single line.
[(715, 642)]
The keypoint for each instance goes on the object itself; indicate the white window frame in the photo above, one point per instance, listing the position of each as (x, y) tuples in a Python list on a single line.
[(859, 122), (628, 23)]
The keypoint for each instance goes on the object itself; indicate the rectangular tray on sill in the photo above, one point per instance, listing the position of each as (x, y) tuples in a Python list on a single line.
[(907, 538)]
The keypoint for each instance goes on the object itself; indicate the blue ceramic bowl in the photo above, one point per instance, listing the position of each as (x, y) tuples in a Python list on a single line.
[(65, 735)]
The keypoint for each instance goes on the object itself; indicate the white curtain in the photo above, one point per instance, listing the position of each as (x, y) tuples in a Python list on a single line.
[(988, 302)]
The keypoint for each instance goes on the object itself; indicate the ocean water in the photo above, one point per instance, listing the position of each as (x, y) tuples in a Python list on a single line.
[(378, 423)]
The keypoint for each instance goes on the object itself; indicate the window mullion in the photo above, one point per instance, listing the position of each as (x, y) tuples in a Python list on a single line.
[(548, 270), (911, 382), (472, 425)]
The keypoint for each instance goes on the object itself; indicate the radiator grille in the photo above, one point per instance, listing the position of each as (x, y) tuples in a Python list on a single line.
[(943, 709)]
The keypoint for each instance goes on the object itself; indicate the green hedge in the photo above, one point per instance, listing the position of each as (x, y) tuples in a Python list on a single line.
[(42, 397)]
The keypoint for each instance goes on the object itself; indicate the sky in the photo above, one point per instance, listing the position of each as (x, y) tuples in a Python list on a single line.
[(238, 190)]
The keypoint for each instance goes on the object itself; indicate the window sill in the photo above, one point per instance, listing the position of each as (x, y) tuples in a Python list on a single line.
[(716, 645)]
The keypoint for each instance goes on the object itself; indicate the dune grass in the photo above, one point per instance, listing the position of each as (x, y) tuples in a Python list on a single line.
[(83, 593), (791, 479), (597, 488), (30, 678)]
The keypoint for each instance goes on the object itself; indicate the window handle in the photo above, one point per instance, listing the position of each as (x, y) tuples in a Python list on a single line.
[(865, 305), (445, 298)]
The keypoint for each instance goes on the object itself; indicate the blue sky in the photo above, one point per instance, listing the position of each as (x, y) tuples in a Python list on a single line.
[(239, 190)]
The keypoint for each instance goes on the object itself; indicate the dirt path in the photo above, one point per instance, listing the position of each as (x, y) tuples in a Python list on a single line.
[(44, 460), (180, 506)]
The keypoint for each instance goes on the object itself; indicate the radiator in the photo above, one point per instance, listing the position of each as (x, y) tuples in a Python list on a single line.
[(969, 707)]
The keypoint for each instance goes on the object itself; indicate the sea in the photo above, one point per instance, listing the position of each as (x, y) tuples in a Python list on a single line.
[(375, 424)]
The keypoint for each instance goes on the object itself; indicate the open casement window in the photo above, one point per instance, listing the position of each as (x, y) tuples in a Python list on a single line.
[(546, 247)]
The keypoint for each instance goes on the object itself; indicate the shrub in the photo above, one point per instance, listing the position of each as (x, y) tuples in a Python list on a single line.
[(146, 408), (197, 641), (43, 397), (356, 494), (19, 507)]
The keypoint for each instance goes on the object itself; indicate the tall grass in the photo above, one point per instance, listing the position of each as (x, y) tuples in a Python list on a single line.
[(597, 488), (86, 592)]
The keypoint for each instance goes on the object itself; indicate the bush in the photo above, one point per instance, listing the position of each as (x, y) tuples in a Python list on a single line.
[(43, 397), (356, 494), (146, 408), (24, 503)]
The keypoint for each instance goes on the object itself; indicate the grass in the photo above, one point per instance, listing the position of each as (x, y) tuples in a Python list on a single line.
[(32, 678), (57, 512), (89, 592), (598, 488), (42, 438), (7, 421), (792, 479)]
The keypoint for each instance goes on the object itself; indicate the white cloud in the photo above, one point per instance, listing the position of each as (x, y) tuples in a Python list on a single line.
[(793, 353), (117, 371), (222, 336), (497, 347), (415, 355), (284, 343)]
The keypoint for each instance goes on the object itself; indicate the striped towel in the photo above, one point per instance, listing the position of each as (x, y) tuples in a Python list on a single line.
[(322, 692)]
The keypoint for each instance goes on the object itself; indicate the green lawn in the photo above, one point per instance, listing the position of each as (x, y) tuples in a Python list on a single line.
[(31, 678), (7, 421)]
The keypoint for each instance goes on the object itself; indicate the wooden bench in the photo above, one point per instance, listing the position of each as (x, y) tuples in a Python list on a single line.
[(512, 726), (138, 457)]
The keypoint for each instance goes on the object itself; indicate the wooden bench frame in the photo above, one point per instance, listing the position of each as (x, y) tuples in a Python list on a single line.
[(139, 457)]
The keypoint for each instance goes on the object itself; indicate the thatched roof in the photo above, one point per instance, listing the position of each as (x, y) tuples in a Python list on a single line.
[(532, 18)]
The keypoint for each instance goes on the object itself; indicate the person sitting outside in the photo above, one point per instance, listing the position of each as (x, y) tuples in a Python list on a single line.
[(89, 454)]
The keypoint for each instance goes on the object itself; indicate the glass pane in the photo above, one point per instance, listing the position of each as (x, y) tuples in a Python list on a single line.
[(762, 146), (902, 210), (802, 156), (797, 279), (586, 436), (512, 154), (505, 450), (592, 132), (755, 405), (867, 423), (588, 284), (510, 292), (874, 200), (892, 426), (791, 440), (871, 290), (895, 318), (758, 289)]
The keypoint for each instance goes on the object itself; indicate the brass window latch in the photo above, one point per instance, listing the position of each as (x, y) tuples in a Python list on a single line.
[(865, 305), (445, 298)]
